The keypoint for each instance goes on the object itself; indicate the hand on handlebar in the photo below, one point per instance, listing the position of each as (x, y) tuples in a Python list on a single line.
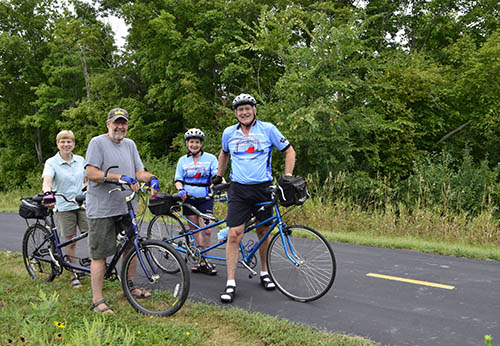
[(155, 186), (217, 180), (182, 194), (49, 200), (132, 182)]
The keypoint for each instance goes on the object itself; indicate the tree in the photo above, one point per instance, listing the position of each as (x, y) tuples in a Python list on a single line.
[(23, 46)]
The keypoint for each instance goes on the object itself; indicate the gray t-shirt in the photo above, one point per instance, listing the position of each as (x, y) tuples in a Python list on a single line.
[(103, 153)]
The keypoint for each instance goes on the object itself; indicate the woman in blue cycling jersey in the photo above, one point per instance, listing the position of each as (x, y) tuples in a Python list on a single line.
[(193, 177)]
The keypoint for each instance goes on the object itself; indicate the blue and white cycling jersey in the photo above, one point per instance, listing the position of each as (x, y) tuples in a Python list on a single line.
[(196, 177), (251, 156)]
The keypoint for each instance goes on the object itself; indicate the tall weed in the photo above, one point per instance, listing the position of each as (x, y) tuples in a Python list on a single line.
[(444, 183)]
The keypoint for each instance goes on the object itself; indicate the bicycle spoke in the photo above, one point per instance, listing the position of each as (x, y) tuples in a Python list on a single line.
[(36, 253), (314, 273), (164, 281)]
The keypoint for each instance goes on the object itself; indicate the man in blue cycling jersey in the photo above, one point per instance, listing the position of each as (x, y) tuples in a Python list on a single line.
[(249, 144)]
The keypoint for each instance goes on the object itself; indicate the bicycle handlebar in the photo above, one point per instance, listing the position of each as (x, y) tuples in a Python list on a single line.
[(79, 199)]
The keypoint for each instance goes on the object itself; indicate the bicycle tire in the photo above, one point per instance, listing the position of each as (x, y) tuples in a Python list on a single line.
[(315, 273), (164, 227), (36, 243), (170, 288)]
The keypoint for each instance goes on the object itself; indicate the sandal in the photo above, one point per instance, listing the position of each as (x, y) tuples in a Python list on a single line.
[(206, 268), (95, 307), (228, 295), (142, 292), (266, 281), (75, 283)]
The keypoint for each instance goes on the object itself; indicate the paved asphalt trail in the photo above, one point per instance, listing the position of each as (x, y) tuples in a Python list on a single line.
[(386, 311)]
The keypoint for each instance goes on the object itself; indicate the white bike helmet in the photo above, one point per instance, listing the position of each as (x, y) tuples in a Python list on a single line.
[(244, 99), (194, 133)]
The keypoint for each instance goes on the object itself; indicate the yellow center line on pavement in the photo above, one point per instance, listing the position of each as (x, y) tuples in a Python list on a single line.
[(411, 281)]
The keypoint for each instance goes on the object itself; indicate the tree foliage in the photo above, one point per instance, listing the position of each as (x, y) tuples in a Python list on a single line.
[(370, 89)]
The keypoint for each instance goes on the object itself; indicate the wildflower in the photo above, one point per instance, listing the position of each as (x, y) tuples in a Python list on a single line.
[(138, 332), (187, 333), (59, 324)]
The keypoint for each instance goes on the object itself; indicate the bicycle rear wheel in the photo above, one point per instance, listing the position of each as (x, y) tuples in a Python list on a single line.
[(164, 227), (313, 272), (169, 283), (36, 254)]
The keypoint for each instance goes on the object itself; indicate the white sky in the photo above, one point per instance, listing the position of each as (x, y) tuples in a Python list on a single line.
[(119, 28), (117, 25)]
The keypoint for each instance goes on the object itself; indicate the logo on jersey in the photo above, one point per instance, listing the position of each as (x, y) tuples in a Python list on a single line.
[(250, 150), (197, 175)]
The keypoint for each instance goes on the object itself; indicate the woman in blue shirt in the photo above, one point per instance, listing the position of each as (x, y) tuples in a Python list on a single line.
[(65, 173), (193, 177)]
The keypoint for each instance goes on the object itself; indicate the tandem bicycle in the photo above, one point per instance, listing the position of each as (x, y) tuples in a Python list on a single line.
[(299, 259)]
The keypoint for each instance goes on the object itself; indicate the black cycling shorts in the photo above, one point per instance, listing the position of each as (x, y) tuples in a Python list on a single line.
[(242, 200)]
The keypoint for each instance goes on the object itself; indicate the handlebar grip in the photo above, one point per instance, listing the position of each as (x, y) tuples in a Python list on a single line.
[(176, 197), (80, 199), (221, 187)]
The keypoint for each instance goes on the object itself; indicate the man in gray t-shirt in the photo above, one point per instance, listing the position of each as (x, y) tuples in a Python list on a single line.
[(103, 208)]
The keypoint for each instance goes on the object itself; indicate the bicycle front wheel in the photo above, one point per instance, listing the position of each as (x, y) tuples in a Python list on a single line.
[(302, 264), (165, 288), (37, 245), (164, 227)]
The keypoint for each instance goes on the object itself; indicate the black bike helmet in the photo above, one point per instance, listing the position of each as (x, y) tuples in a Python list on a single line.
[(194, 133), (244, 99)]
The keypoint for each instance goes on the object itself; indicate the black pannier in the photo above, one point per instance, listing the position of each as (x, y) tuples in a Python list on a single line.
[(292, 190), (31, 209), (162, 204)]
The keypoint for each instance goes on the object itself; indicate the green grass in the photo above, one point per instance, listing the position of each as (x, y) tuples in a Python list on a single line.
[(52, 313)]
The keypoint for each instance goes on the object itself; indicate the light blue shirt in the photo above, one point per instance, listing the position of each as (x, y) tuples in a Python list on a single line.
[(67, 179), (196, 178), (251, 156)]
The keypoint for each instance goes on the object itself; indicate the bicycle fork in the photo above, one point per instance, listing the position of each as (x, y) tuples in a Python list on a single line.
[(152, 275)]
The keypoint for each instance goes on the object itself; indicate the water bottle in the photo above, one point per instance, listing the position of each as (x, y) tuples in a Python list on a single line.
[(120, 237), (222, 235)]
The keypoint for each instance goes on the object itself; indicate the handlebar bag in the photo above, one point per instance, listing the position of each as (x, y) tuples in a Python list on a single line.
[(30, 209)]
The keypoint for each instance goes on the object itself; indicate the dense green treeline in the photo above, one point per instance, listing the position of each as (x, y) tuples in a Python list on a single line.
[(372, 89)]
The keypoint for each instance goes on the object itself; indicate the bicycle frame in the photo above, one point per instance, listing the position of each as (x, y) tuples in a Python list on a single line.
[(133, 232), (276, 220)]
